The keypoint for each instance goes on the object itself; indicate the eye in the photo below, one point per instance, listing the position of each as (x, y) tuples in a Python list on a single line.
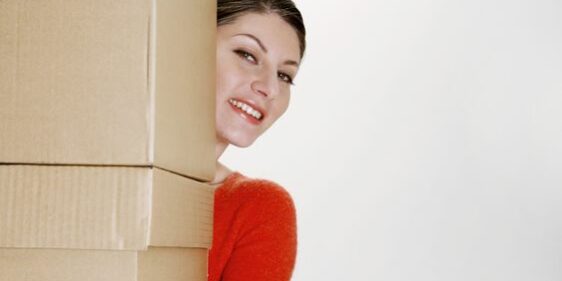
[(247, 56), (285, 78)]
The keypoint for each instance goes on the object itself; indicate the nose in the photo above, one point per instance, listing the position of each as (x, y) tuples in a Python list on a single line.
[(266, 85)]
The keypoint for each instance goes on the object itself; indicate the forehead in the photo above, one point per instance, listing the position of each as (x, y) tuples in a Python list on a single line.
[(276, 35)]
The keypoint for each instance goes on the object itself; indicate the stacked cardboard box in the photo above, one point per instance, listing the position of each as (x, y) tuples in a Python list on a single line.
[(106, 139)]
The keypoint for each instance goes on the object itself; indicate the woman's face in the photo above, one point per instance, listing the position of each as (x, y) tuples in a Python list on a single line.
[(257, 58)]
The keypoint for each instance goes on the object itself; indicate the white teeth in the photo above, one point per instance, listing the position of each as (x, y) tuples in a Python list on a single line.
[(248, 109)]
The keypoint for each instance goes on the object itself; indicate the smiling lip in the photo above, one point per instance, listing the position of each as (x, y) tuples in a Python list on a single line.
[(251, 119)]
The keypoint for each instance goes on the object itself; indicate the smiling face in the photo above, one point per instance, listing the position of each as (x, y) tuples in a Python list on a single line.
[(257, 59)]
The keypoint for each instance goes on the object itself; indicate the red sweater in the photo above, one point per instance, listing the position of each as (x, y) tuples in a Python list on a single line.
[(254, 237)]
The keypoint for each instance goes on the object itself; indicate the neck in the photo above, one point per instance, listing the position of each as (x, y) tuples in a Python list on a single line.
[(220, 147), (221, 171)]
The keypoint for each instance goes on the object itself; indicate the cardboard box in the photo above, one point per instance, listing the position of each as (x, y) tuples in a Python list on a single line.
[(111, 208), (128, 82), (156, 264)]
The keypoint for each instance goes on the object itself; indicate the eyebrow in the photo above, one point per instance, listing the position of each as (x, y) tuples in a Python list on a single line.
[(264, 49)]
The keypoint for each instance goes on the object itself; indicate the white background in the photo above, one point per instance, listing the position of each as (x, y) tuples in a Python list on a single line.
[(423, 141)]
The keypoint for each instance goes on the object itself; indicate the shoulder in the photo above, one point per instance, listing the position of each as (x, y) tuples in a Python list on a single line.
[(263, 198), (255, 230), (250, 190)]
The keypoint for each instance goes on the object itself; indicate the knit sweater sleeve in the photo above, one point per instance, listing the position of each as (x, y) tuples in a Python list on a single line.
[(263, 228)]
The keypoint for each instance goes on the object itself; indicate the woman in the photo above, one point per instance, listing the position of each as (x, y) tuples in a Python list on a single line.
[(260, 44)]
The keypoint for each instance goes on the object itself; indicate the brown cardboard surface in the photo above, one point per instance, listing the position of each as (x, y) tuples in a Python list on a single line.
[(108, 83), (182, 212), (67, 265), (155, 264), (120, 208), (185, 86), (163, 264)]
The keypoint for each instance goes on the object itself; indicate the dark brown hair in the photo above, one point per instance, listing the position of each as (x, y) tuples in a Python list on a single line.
[(229, 10)]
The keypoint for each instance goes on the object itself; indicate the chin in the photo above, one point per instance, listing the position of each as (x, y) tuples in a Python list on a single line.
[(236, 138), (242, 143)]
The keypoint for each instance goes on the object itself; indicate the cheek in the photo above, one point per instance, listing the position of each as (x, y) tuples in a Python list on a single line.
[(221, 79), (286, 101), (225, 74), (281, 105), (225, 83), (220, 89), (229, 79)]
